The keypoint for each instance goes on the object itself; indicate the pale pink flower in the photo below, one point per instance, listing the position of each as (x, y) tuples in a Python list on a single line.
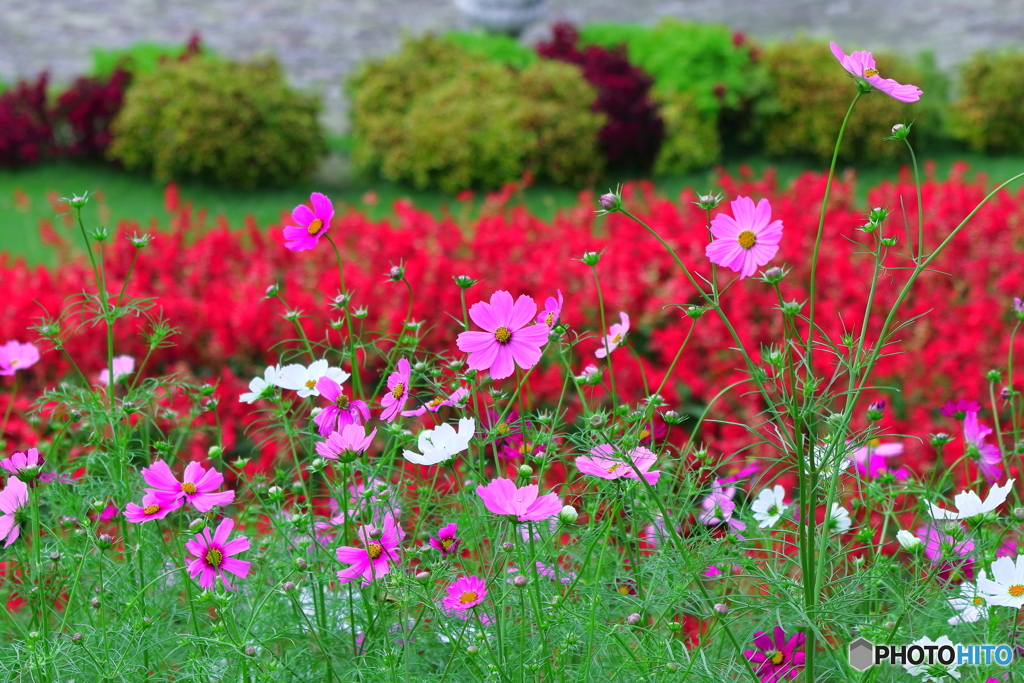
[(988, 456), (15, 356), (312, 223), (604, 462), (13, 498), (374, 560), (212, 555), (552, 311), (123, 366), (718, 509), (24, 463), (456, 398), (616, 334), (347, 444), (398, 391), (861, 64), (503, 497), (747, 239), (508, 340), (198, 486)]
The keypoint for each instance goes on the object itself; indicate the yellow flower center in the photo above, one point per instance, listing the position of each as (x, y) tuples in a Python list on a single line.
[(315, 226), (777, 658), (747, 239), (310, 383), (436, 402), (503, 335), (14, 362), (1016, 590), (398, 390), (624, 589), (978, 601), (341, 402), (189, 488), (549, 318), (374, 550), (447, 543), (611, 470), (214, 557), (503, 429), (616, 339), (644, 433), (468, 596), (868, 73), (151, 509)]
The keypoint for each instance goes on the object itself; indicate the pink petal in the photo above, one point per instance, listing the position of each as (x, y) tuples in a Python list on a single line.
[(322, 207), (743, 212), (724, 226), (524, 352), (207, 576), (159, 475), (220, 536), (235, 546), (204, 502), (483, 316), (351, 555), (469, 342), (210, 481), (523, 312), (193, 472), (762, 216), (501, 308), (239, 568), (484, 359), (502, 366), (302, 215)]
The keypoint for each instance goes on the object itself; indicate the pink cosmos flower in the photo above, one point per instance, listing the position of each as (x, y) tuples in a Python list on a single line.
[(747, 239), (342, 411), (446, 541), (123, 366), (870, 460), (15, 356), (861, 64), (398, 391), (311, 223), (943, 550), (465, 593), (718, 508), (958, 409), (212, 555), (986, 455), (198, 486), (503, 497), (154, 506), (13, 498), (605, 463), (776, 658), (24, 463), (552, 311), (347, 444), (456, 398), (616, 333), (508, 339), (375, 559), (553, 572)]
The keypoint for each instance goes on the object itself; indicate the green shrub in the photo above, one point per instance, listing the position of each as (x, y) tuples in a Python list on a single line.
[(138, 57), (495, 47), (436, 115), (691, 136), (237, 124), (812, 94), (989, 113)]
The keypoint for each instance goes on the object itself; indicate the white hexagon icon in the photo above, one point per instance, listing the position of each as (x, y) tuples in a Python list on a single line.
[(861, 654)]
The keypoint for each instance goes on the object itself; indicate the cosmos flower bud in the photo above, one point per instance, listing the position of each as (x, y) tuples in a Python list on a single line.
[(95, 602), (472, 650), (301, 564), (900, 132), (140, 241), (889, 241), (78, 202), (1018, 513), (876, 410), (422, 576), (672, 667), (633, 619), (464, 281), (610, 202), (721, 608), (672, 417), (790, 307), (55, 556), (105, 541), (940, 439), (341, 301), (507, 546), (994, 375), (360, 313), (908, 540), (272, 291), (709, 201), (396, 274), (77, 638), (591, 258), (568, 515), (1018, 308), (897, 128), (215, 451), (774, 275), (596, 420), (519, 581), (525, 471), (288, 586)]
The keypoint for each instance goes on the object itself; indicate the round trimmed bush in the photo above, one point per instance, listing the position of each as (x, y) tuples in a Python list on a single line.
[(239, 125), (988, 113), (691, 135)]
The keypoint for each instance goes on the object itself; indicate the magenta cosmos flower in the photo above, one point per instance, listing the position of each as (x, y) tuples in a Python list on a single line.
[(503, 497), (342, 411), (123, 366), (380, 551), (398, 391), (213, 555), (311, 223), (446, 541), (508, 340), (776, 658), (870, 460), (605, 463), (747, 239), (155, 505), (986, 455), (24, 463), (861, 64), (12, 499), (616, 333), (346, 445), (456, 398), (15, 356), (198, 486), (552, 311), (959, 409), (465, 593)]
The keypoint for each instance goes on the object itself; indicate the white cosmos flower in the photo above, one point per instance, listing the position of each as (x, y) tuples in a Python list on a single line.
[(968, 504), (769, 506), (908, 540), (303, 380), (970, 603), (935, 671), (839, 519), (442, 443), (1006, 587), (259, 386)]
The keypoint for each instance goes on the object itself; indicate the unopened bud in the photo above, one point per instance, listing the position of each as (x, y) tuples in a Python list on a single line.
[(774, 275), (908, 540), (507, 546), (77, 638), (591, 258), (519, 581), (197, 525), (568, 515), (272, 291), (633, 619), (55, 556), (610, 201), (472, 650), (288, 586), (525, 471), (301, 564), (721, 608), (396, 274), (95, 602)]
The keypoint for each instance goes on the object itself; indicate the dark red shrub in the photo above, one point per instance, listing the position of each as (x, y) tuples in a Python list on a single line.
[(633, 134), (85, 111), (25, 130)]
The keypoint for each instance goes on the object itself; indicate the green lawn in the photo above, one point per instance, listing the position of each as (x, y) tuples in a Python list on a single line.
[(137, 197)]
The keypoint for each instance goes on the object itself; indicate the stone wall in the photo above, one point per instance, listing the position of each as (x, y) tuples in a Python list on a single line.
[(318, 42)]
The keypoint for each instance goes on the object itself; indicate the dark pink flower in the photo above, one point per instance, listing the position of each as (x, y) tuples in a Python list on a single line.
[(503, 497), (374, 560), (605, 463), (861, 64), (13, 498), (446, 541), (986, 455), (508, 340), (465, 593), (26, 464), (552, 311), (959, 409), (943, 550), (398, 391), (870, 460), (198, 486), (15, 356), (311, 223), (746, 240), (342, 411), (212, 555), (776, 658), (154, 506)]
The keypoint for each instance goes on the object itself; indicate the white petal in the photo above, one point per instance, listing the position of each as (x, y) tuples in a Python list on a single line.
[(292, 377), (337, 374)]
